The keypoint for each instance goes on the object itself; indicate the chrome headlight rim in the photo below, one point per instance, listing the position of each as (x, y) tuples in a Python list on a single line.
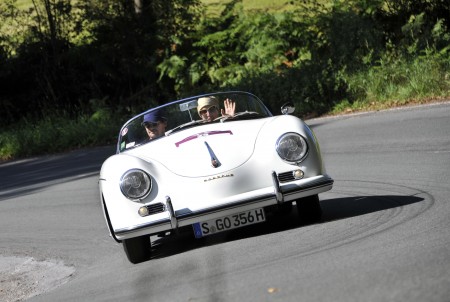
[(282, 151), (147, 184)]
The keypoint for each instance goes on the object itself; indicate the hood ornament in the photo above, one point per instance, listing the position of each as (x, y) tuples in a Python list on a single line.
[(214, 161)]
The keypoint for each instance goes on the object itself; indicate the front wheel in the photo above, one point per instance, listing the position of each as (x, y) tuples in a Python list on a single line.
[(309, 210), (137, 249)]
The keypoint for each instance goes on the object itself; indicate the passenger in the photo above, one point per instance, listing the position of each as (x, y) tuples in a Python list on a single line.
[(208, 108), (155, 124)]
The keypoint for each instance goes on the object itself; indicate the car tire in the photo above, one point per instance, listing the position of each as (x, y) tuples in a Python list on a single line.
[(137, 249), (309, 210)]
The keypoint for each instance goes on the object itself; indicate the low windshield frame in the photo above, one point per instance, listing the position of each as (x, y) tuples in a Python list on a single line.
[(182, 114)]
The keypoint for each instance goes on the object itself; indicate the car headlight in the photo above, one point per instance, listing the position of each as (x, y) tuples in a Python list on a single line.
[(292, 147), (135, 184)]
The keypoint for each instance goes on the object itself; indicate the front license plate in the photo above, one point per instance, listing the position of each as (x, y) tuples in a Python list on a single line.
[(202, 229)]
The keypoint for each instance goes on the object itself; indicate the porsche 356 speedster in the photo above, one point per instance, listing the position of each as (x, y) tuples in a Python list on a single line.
[(208, 164)]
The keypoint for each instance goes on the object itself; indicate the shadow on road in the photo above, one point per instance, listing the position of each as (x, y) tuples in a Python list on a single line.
[(341, 208), (333, 209), (26, 176)]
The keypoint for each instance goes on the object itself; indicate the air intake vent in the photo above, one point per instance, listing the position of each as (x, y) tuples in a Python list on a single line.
[(286, 176), (156, 208)]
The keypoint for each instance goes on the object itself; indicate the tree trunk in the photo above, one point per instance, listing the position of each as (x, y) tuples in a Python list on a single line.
[(138, 6)]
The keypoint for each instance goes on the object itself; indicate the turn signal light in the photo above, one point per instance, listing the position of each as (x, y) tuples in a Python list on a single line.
[(298, 174), (143, 211)]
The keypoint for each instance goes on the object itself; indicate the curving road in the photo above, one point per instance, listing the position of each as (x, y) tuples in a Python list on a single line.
[(385, 234)]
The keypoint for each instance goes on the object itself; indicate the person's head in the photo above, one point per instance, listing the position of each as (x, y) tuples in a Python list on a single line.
[(208, 108), (155, 124)]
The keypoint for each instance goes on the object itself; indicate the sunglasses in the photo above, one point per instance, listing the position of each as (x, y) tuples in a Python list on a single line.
[(151, 125), (210, 110)]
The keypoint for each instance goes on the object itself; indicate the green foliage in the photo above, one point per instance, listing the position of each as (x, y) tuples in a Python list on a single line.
[(56, 133), (233, 47), (399, 80), (414, 71), (85, 66)]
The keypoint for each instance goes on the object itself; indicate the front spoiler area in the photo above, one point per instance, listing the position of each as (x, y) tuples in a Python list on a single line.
[(185, 217)]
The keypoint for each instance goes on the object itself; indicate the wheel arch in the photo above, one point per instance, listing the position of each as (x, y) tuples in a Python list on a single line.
[(108, 221)]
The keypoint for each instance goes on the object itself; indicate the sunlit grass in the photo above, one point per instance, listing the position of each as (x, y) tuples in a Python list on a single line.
[(24, 4), (251, 5), (57, 133), (398, 83)]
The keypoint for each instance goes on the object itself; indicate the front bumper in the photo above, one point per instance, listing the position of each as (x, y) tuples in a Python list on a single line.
[(277, 194)]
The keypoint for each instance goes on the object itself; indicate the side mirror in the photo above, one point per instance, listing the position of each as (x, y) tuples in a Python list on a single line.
[(287, 108)]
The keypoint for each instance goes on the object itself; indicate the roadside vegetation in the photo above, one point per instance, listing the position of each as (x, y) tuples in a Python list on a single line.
[(73, 71)]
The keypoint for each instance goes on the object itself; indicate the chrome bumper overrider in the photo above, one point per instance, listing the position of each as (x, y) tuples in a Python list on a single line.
[(183, 217)]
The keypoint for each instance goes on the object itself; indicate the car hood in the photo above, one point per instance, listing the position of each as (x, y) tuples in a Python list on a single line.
[(192, 152)]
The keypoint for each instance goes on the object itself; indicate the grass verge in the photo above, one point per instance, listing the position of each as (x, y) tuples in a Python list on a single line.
[(57, 133)]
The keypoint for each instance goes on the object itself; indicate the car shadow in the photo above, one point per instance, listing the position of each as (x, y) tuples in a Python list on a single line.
[(333, 209), (22, 177)]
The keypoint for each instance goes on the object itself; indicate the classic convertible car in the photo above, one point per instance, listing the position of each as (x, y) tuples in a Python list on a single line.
[(208, 164)]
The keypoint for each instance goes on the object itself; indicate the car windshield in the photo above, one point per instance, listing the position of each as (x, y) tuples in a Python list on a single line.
[(183, 114)]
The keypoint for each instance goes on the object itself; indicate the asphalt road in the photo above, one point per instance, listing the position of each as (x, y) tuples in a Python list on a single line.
[(385, 234)]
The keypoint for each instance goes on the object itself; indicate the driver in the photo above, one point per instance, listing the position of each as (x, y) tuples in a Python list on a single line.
[(155, 124), (208, 108)]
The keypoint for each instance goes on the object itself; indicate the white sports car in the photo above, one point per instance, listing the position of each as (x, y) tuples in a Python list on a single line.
[(208, 164)]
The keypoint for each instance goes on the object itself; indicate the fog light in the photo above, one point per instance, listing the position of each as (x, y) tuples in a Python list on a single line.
[(298, 174), (143, 211)]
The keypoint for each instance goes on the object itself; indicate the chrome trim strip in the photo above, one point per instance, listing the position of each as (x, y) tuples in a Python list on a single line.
[(310, 191), (323, 183), (123, 231)]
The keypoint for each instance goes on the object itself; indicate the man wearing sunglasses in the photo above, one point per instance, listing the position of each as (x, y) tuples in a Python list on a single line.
[(155, 124), (208, 108)]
